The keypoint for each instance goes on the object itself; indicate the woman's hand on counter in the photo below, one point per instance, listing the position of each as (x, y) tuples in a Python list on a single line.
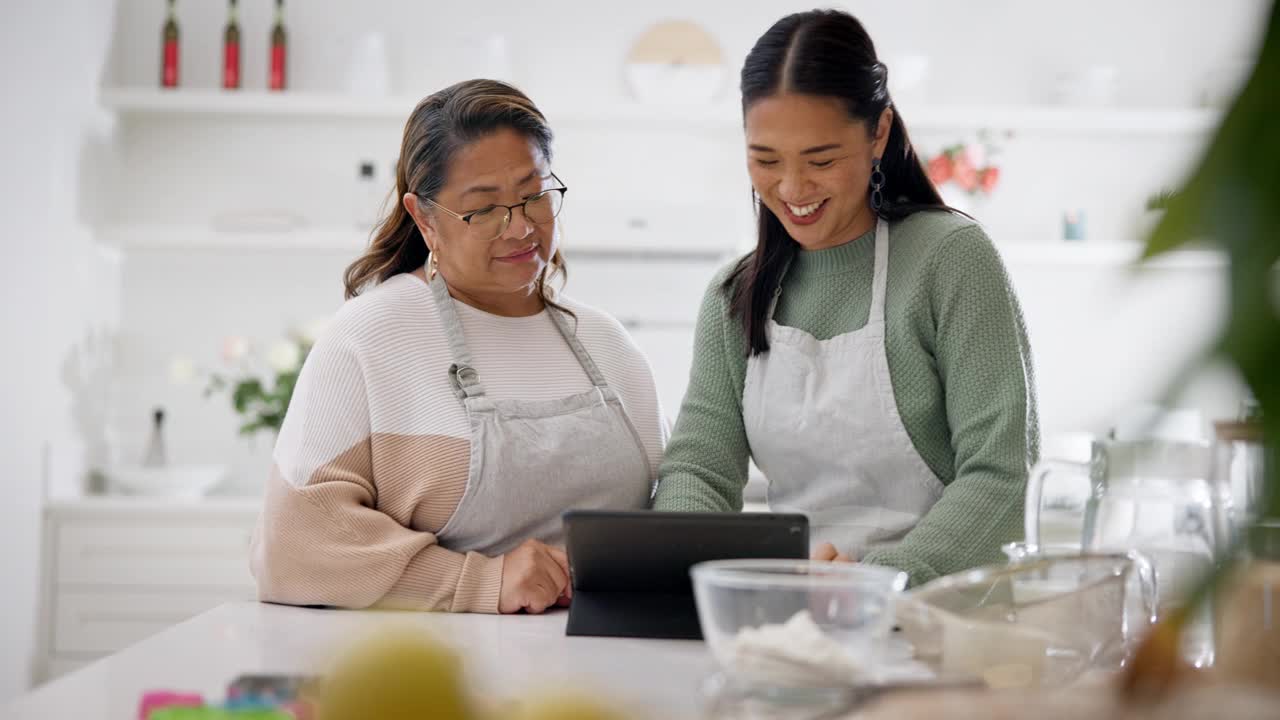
[(827, 551), (535, 576)]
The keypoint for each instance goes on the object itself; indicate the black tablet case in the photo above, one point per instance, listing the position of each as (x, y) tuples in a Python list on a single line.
[(630, 570)]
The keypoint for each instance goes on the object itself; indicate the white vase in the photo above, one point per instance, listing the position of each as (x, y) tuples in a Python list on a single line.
[(369, 69)]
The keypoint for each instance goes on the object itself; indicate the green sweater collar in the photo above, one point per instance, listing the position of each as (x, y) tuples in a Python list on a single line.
[(833, 260)]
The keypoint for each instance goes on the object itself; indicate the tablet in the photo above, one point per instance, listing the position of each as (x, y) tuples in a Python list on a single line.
[(630, 569)]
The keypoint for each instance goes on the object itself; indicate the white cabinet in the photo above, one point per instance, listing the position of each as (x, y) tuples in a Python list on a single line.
[(117, 570)]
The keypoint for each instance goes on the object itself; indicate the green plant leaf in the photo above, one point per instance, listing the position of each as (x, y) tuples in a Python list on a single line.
[(246, 391), (285, 383), (1232, 199), (272, 420), (251, 427)]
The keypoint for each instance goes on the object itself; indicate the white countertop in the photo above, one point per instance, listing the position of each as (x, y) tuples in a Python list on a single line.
[(504, 657), (99, 505)]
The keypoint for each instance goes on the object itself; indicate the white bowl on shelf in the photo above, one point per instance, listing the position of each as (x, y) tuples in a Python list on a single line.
[(176, 481)]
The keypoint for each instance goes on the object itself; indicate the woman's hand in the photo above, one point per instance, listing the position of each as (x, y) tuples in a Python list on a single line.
[(827, 551), (535, 576)]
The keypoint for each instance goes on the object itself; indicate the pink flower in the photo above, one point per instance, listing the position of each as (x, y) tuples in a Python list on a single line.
[(966, 175), (988, 178), (940, 169), (234, 348)]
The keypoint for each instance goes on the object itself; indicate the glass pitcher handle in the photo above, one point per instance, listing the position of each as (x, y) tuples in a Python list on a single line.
[(1035, 493), (1139, 621), (1147, 584)]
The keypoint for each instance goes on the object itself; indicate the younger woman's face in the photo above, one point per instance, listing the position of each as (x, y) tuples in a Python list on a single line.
[(810, 163)]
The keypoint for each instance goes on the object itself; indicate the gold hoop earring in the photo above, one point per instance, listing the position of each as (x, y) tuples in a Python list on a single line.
[(432, 267)]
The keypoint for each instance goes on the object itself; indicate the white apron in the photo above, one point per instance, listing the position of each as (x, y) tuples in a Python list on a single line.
[(532, 460), (824, 428)]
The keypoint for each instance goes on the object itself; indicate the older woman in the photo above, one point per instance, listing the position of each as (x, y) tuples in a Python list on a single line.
[(457, 406)]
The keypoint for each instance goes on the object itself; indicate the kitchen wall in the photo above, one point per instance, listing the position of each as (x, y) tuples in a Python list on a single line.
[(148, 235), (59, 290), (984, 53)]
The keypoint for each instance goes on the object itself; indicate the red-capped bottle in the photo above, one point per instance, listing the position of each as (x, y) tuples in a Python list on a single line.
[(277, 76), (231, 50), (169, 49)]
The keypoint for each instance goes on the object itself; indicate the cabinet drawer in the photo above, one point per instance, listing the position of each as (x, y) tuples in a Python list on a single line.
[(105, 622), (154, 554)]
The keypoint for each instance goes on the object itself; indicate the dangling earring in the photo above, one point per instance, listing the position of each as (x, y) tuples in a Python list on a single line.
[(877, 185), (431, 267)]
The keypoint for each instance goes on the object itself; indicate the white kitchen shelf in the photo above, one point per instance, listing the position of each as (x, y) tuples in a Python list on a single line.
[(193, 237), (391, 108), (1063, 120), (85, 506), (1090, 254), (721, 116), (203, 101)]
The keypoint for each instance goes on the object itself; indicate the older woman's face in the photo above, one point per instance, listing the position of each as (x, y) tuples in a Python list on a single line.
[(503, 168)]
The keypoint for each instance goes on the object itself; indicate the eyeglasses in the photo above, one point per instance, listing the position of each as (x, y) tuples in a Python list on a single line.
[(490, 222)]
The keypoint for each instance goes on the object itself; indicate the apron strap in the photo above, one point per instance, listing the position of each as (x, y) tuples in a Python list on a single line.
[(462, 373), (579, 351), (881, 273)]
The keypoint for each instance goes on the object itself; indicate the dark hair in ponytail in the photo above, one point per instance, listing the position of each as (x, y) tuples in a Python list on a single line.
[(826, 53)]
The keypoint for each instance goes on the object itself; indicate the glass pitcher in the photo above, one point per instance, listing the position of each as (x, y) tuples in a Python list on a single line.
[(1154, 496), (1239, 474)]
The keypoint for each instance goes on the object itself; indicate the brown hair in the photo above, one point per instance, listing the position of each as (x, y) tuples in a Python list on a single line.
[(438, 127)]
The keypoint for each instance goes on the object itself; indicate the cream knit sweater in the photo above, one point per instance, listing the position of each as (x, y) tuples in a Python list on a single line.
[(373, 456)]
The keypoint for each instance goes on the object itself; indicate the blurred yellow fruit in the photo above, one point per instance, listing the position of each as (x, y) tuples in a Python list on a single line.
[(398, 674)]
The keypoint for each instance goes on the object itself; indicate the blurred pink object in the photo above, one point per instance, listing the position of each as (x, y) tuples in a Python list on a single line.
[(157, 699), (987, 179), (234, 348), (968, 165), (940, 169), (965, 174), (300, 709)]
